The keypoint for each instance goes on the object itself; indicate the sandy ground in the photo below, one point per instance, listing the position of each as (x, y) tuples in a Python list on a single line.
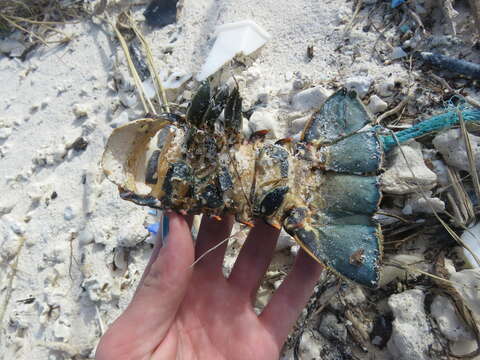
[(71, 251)]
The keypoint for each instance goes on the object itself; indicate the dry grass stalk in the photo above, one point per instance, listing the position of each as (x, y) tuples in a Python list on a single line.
[(461, 204), (147, 105), (151, 66), (396, 109), (471, 158), (444, 224), (461, 306), (37, 18)]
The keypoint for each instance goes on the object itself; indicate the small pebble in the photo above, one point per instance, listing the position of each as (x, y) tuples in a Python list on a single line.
[(309, 99), (331, 327), (81, 110), (377, 105), (5, 132), (263, 119), (385, 88), (80, 144), (68, 214), (398, 53), (398, 179), (12, 47), (451, 145), (128, 99), (416, 204), (361, 84), (411, 335), (451, 325)]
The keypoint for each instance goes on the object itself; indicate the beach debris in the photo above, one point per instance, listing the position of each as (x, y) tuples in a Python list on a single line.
[(81, 110), (331, 328), (456, 66), (155, 227), (68, 213), (310, 52), (398, 179), (412, 336), (450, 14), (471, 238), (12, 47), (361, 84), (441, 122), (444, 311), (475, 9), (451, 145), (161, 13), (391, 272), (398, 53), (5, 132), (381, 331), (176, 79), (310, 99), (80, 144), (284, 241), (243, 37), (265, 119), (396, 3), (423, 204), (138, 60), (385, 88), (466, 282), (376, 105)]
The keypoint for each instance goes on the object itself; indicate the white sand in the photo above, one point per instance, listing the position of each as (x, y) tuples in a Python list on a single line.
[(64, 290)]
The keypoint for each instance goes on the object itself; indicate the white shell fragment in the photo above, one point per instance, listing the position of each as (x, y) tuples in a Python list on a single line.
[(471, 238), (242, 37)]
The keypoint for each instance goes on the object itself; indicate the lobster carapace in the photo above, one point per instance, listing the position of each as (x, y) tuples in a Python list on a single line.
[(322, 189)]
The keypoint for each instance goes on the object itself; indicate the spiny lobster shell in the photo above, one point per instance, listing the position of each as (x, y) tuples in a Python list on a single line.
[(323, 189)]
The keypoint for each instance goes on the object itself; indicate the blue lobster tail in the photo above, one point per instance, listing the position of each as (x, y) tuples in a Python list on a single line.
[(353, 251), (341, 115), (360, 153), (348, 199)]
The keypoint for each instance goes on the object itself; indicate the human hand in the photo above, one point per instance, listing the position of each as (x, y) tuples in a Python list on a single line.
[(184, 312)]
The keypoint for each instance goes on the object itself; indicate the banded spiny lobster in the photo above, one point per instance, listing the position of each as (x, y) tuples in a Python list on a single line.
[(323, 189)]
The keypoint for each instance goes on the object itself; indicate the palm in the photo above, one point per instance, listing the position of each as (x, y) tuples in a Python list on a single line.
[(214, 321), (178, 313)]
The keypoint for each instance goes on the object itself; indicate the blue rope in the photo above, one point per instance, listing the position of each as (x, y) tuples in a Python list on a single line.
[(434, 124)]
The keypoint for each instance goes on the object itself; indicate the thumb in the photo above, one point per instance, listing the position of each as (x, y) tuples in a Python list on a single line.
[(161, 290)]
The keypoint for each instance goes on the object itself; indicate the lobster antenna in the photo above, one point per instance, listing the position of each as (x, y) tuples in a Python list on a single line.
[(214, 247)]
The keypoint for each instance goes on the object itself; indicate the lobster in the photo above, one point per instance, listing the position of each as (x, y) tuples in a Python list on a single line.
[(323, 190)]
